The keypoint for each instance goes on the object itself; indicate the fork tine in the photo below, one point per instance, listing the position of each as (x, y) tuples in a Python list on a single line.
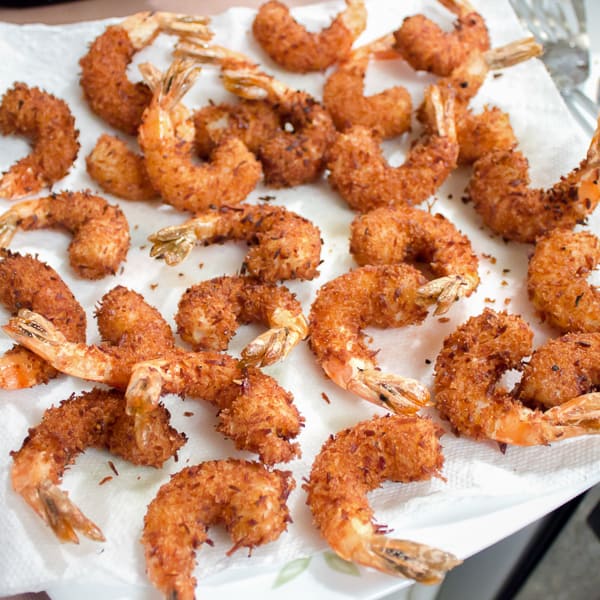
[(529, 19)]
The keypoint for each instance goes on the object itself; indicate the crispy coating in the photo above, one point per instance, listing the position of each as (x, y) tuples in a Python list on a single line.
[(356, 461), (26, 282), (468, 391), (291, 46), (249, 500), (118, 170), (94, 419), (50, 126), (557, 280), (282, 244), (100, 230), (426, 47)]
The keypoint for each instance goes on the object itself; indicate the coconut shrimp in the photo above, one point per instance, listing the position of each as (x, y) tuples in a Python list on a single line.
[(390, 235), (291, 46), (26, 282), (557, 280), (247, 498), (210, 312), (500, 192), (382, 296), (106, 87), (118, 170), (166, 137), (94, 419), (363, 177), (100, 230), (48, 122), (283, 245), (426, 47), (468, 392), (356, 461), (387, 113)]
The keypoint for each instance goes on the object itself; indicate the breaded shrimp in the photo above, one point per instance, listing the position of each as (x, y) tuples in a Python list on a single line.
[(94, 419), (557, 280), (387, 113), (26, 282), (479, 134), (468, 391), (104, 80), (382, 296), (390, 235), (283, 245), (49, 124), (291, 46), (426, 47), (118, 170), (166, 137), (210, 312), (100, 230), (356, 461), (248, 499), (500, 192), (363, 177)]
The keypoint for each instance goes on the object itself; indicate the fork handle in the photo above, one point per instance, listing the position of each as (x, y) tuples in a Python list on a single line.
[(584, 109)]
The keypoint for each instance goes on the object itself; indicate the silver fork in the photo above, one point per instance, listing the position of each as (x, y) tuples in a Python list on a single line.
[(560, 26)]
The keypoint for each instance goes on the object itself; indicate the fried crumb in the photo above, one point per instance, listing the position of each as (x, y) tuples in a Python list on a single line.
[(325, 397), (105, 480), (111, 464), (443, 320), (490, 300)]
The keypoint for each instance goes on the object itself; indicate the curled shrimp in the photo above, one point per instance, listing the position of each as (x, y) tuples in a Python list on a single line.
[(248, 499), (468, 393), (166, 137), (119, 170), (49, 123), (500, 192), (557, 280), (291, 46), (26, 282), (356, 461), (363, 177), (209, 313), (426, 47), (390, 235), (100, 230), (479, 134), (106, 87), (383, 296), (283, 245), (387, 113), (94, 419)]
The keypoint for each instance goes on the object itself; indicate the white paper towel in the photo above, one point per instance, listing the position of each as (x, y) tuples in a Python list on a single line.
[(480, 480)]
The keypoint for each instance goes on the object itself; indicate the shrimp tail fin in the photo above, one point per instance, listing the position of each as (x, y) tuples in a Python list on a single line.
[(172, 244), (34, 332), (185, 25), (8, 226), (444, 291), (269, 347), (580, 414), (399, 394), (420, 562), (513, 53), (141, 397)]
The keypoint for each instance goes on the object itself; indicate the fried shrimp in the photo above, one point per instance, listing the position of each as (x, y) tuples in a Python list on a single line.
[(210, 312), (468, 391), (26, 282), (426, 47), (291, 46), (166, 137), (283, 245), (387, 113), (557, 280), (48, 122), (248, 499), (500, 192), (391, 235), (382, 296), (94, 419), (104, 80), (100, 230), (356, 461), (118, 170), (363, 177)]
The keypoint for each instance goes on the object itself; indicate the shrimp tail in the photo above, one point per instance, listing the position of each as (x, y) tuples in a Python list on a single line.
[(444, 291), (211, 54), (581, 413), (185, 25), (512, 54), (420, 562), (399, 394), (173, 244), (34, 331), (8, 226), (246, 83), (177, 81)]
